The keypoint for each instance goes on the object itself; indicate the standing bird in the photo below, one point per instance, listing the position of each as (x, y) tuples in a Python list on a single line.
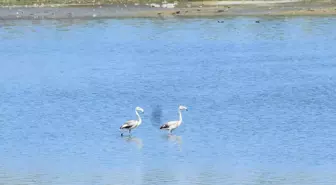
[(172, 125), (132, 124)]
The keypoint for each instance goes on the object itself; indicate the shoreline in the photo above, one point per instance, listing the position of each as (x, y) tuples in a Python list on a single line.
[(206, 9)]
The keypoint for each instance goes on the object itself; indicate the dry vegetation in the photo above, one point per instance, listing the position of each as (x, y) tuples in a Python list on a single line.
[(76, 2)]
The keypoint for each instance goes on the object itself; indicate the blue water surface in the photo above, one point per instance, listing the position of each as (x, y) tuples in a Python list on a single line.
[(261, 99)]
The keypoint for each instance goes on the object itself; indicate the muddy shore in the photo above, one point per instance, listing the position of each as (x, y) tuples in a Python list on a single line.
[(192, 10)]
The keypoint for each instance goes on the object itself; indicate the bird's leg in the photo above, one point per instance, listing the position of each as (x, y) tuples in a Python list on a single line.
[(129, 131), (121, 133)]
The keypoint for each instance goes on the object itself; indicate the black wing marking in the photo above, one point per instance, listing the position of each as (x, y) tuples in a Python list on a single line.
[(127, 126), (164, 126)]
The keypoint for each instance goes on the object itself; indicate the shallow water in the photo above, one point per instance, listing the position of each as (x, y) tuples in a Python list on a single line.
[(261, 101)]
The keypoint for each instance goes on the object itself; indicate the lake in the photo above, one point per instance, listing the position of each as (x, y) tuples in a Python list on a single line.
[(261, 100)]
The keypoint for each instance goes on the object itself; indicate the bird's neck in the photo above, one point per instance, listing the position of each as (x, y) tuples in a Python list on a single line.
[(139, 118), (180, 120)]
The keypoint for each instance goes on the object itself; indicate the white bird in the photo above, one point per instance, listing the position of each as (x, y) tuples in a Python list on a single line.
[(132, 124), (172, 125)]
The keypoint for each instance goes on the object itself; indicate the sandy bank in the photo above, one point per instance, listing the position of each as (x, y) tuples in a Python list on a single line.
[(226, 8)]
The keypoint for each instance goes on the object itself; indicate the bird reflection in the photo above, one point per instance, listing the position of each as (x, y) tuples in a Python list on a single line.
[(174, 139), (131, 139)]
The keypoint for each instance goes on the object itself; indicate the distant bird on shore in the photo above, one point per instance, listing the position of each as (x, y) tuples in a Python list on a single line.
[(19, 12), (132, 124), (172, 125)]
